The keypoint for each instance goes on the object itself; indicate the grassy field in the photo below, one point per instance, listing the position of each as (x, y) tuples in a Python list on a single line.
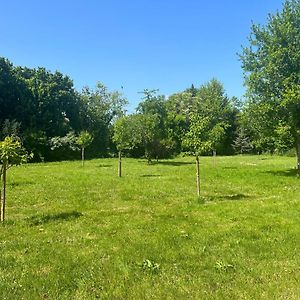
[(84, 233)]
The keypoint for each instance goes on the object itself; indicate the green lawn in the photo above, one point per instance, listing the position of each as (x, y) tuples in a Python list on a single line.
[(84, 233)]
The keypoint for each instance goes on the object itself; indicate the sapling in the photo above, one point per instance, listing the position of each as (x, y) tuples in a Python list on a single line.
[(202, 137), (11, 154), (126, 136), (84, 140)]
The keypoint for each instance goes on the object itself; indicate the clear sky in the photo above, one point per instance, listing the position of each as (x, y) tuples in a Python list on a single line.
[(136, 44)]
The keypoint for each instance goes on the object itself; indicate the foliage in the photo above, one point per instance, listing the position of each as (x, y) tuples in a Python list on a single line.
[(271, 66), (203, 134), (98, 110), (126, 133), (242, 143), (84, 139), (45, 105), (10, 128), (12, 153), (68, 141)]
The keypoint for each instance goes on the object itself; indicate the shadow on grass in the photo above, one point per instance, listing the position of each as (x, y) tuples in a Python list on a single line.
[(173, 163), (230, 168), (231, 197), (167, 163), (150, 175), (64, 216), (20, 183), (287, 173), (104, 166)]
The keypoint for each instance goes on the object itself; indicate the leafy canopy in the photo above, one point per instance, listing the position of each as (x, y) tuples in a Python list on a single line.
[(272, 72), (84, 139), (12, 153)]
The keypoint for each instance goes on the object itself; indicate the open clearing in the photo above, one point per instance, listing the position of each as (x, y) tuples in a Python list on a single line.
[(84, 233)]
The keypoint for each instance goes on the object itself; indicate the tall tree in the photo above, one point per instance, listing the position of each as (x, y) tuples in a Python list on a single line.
[(157, 142), (272, 74), (99, 107)]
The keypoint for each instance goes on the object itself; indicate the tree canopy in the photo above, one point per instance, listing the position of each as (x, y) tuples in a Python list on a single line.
[(271, 65)]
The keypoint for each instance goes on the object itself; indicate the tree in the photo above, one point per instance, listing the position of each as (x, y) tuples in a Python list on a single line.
[(84, 140), (272, 74), (158, 141), (11, 154), (209, 100), (126, 136), (202, 137), (242, 143), (99, 108)]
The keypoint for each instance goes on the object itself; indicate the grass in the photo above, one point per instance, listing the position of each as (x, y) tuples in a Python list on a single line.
[(84, 233)]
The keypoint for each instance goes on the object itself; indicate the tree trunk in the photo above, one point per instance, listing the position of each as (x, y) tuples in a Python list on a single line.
[(120, 165), (198, 175), (3, 192), (298, 153), (82, 156), (214, 157)]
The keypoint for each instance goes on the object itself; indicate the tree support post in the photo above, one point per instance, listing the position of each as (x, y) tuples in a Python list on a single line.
[(298, 153), (198, 175), (3, 194), (120, 165), (82, 156), (214, 157)]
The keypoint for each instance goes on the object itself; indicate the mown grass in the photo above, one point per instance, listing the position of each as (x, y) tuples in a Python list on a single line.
[(84, 233)]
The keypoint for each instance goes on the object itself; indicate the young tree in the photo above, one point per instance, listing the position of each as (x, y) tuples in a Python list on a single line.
[(125, 136), (202, 137), (11, 154), (84, 140), (272, 74)]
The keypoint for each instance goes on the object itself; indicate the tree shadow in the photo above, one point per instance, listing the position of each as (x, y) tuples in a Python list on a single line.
[(167, 163), (104, 166), (230, 168), (19, 183), (44, 219), (150, 175), (286, 173), (231, 197), (173, 163)]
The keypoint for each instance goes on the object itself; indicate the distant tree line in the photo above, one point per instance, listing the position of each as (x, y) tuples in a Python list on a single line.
[(46, 112), (39, 105)]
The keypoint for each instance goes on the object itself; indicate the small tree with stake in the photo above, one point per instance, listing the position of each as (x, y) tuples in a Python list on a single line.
[(202, 137), (11, 154), (126, 136), (84, 140)]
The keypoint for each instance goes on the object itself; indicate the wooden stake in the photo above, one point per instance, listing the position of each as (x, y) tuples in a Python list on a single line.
[(214, 157), (120, 164), (198, 175), (82, 156), (3, 192)]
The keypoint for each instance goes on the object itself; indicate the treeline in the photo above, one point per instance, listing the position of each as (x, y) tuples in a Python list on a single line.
[(47, 113), (38, 105)]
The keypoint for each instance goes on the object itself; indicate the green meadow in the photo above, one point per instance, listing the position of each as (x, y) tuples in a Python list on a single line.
[(75, 232)]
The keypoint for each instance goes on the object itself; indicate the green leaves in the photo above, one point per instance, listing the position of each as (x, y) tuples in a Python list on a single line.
[(203, 135), (84, 139), (12, 153), (272, 76)]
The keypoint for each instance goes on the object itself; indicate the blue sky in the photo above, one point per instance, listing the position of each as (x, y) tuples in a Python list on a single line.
[(136, 44)]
